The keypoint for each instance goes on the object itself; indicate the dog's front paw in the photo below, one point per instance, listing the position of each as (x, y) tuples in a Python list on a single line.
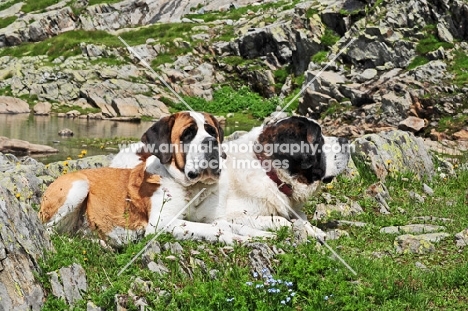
[(304, 230), (231, 239)]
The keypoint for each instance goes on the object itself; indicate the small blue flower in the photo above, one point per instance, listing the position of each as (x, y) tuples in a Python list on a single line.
[(289, 290), (288, 284), (283, 302), (288, 299), (325, 298), (229, 299), (248, 283), (255, 274), (279, 281), (265, 270), (293, 294), (259, 286)]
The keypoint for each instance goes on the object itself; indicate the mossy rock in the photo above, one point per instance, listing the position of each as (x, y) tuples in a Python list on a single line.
[(391, 153)]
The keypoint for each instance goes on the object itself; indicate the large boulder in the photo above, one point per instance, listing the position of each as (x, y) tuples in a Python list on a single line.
[(392, 152), (13, 105), (23, 147), (23, 240)]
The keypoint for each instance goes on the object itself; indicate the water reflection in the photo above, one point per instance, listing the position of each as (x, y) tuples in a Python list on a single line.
[(44, 130)]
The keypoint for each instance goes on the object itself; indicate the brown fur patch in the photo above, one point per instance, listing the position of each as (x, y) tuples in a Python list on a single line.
[(116, 197)]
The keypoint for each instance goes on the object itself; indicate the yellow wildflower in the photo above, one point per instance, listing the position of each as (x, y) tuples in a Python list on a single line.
[(18, 195), (84, 152)]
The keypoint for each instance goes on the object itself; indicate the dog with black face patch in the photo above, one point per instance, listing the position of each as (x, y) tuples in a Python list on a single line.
[(273, 170), (184, 150)]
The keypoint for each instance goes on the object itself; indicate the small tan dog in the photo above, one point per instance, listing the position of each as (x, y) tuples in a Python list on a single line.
[(101, 199)]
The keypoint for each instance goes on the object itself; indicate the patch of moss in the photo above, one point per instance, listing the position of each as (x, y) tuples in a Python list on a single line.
[(329, 37), (320, 57)]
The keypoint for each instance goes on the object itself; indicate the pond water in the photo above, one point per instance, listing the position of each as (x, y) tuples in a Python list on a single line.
[(44, 130)]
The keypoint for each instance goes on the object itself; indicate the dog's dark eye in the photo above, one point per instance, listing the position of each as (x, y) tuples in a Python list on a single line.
[(211, 130), (188, 134)]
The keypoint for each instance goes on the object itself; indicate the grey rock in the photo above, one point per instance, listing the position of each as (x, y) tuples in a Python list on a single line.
[(74, 282), (413, 244), (461, 238), (351, 223), (344, 209), (437, 54), (158, 268), (90, 306), (367, 74), (431, 218), (152, 250), (42, 108), (443, 33), (413, 195), (391, 152), (396, 106), (428, 190), (65, 132), (412, 124), (434, 71), (23, 241), (174, 248), (335, 234), (415, 228)]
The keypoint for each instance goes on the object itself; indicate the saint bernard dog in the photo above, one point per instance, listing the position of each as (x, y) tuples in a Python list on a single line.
[(274, 169), (167, 182)]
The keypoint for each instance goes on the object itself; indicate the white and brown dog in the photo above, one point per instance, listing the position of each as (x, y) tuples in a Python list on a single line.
[(269, 173), (273, 170), (183, 156)]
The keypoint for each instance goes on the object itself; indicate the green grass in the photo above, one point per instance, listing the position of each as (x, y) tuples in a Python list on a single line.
[(7, 21), (329, 38), (320, 57), (227, 100), (37, 5), (164, 33), (417, 61), (6, 5), (452, 124), (93, 2), (459, 67), (66, 44), (389, 281), (431, 43), (236, 14)]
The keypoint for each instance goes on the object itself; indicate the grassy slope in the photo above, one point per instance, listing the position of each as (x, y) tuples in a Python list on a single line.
[(392, 282)]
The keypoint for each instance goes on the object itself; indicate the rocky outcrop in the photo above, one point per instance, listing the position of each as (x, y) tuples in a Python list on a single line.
[(23, 239), (38, 27)]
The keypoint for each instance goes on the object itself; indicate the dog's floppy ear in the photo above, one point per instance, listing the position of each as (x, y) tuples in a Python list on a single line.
[(158, 139), (220, 130), (314, 131)]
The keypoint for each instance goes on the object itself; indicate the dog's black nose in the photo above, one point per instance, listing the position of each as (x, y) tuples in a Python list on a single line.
[(192, 175), (328, 180)]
